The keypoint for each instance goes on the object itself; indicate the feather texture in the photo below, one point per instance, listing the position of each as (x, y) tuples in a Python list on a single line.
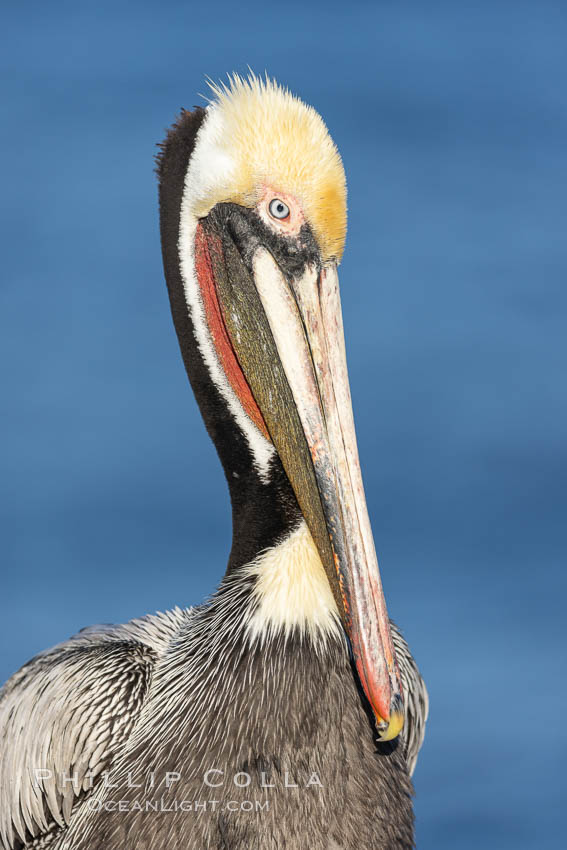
[(416, 699), (63, 716), (77, 709)]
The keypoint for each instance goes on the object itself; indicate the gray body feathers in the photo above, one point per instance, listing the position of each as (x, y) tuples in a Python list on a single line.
[(181, 691)]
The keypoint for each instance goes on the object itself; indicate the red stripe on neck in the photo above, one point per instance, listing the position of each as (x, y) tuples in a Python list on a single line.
[(219, 333)]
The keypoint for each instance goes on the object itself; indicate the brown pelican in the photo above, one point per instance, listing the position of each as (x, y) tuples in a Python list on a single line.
[(287, 712)]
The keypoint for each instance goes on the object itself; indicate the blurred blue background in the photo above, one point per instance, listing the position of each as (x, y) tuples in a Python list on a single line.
[(452, 122)]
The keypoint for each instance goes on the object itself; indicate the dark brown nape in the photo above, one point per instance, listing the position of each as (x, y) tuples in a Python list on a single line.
[(261, 512)]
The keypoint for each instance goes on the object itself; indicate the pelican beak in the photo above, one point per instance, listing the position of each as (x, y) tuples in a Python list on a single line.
[(286, 330)]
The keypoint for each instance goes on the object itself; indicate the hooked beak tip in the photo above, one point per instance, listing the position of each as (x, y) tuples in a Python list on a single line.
[(390, 729)]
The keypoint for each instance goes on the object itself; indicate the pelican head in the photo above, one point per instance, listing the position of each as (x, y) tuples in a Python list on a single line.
[(259, 237)]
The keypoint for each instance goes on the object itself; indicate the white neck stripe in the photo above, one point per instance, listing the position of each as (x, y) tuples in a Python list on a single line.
[(208, 164)]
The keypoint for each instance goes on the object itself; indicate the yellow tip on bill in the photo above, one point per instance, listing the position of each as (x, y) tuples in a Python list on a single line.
[(394, 727)]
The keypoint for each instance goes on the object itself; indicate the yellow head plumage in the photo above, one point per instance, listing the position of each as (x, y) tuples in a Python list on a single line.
[(267, 136)]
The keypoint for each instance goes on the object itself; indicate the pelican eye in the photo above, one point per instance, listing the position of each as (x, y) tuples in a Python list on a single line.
[(278, 209)]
